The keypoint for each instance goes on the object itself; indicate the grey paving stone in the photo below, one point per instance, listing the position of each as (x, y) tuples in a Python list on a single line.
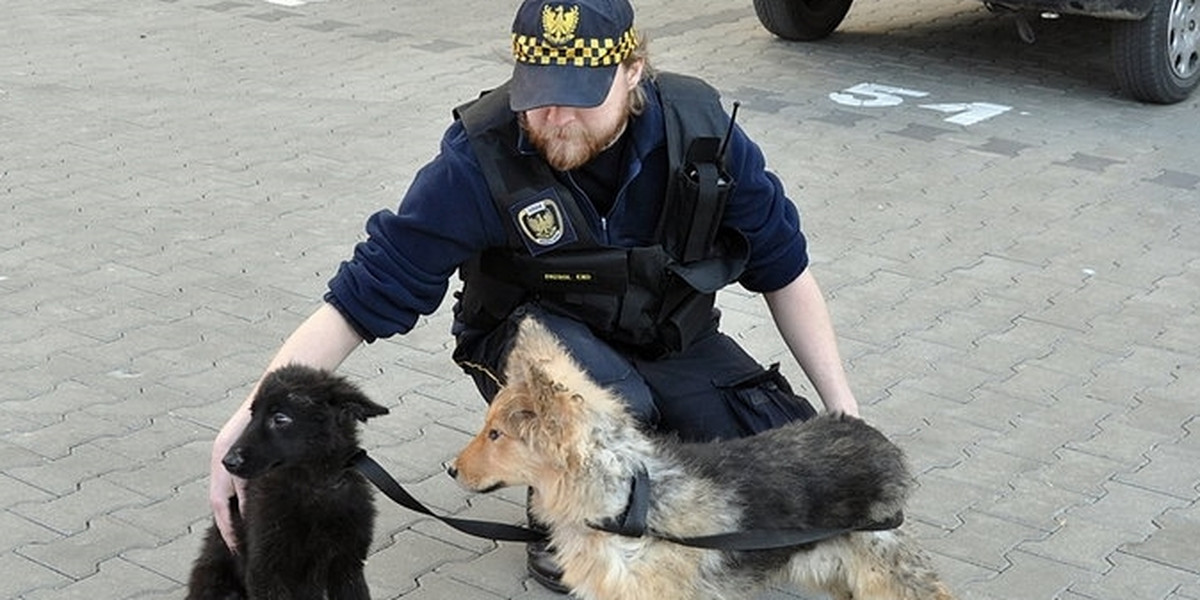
[(1169, 544), (25, 575), (1031, 576), (985, 541), (1177, 179), (171, 515), (113, 578), (80, 555), (394, 570), (1135, 577), (73, 513), (437, 586)]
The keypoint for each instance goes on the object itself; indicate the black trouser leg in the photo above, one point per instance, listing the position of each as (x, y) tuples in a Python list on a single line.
[(539, 556)]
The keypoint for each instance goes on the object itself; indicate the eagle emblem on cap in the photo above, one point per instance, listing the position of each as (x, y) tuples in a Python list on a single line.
[(558, 23)]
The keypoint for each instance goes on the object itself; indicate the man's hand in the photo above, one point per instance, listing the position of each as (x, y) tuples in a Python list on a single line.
[(803, 320), (224, 487)]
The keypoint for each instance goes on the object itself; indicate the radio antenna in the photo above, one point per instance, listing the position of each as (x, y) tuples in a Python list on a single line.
[(728, 133)]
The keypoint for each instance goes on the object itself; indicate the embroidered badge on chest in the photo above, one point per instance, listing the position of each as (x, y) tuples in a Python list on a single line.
[(542, 223)]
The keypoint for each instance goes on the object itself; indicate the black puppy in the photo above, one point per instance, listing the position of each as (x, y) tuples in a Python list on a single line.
[(306, 525)]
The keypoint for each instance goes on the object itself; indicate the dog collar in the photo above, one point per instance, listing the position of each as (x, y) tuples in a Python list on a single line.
[(632, 522)]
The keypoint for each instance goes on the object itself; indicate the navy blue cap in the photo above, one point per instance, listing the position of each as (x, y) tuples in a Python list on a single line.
[(567, 52)]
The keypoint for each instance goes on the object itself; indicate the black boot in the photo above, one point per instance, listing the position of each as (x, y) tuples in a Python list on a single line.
[(540, 559)]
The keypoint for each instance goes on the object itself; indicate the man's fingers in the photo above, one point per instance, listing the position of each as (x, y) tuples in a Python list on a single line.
[(224, 522), (226, 492)]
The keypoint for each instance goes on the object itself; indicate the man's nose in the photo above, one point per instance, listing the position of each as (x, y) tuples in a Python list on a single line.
[(560, 115)]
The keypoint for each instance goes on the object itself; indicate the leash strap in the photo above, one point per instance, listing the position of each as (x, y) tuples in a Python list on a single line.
[(756, 539), (631, 524), (392, 489)]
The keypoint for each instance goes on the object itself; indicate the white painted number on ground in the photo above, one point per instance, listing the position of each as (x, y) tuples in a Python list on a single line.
[(969, 113), (874, 95)]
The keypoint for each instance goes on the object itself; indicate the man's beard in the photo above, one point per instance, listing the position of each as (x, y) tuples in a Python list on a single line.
[(572, 145)]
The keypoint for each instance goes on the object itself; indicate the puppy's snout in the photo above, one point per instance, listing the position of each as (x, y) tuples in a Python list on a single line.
[(234, 460), (451, 470)]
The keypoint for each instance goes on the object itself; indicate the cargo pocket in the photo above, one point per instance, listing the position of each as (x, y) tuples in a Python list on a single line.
[(764, 400)]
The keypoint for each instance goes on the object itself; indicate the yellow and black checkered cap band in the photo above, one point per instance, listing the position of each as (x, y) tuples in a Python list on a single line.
[(579, 52)]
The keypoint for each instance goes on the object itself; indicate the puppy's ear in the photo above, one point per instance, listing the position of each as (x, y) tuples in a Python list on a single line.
[(361, 408), (534, 343), (515, 409), (529, 328), (531, 400), (542, 388), (553, 403), (549, 419)]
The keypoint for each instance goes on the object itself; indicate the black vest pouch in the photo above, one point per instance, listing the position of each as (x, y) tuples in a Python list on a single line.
[(594, 271), (700, 189), (650, 286), (589, 286), (690, 318), (727, 260), (487, 300), (623, 298)]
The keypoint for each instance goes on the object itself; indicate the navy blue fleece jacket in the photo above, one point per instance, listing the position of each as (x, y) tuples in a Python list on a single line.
[(404, 267)]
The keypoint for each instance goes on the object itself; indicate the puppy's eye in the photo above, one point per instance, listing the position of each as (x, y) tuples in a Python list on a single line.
[(494, 434), (280, 420)]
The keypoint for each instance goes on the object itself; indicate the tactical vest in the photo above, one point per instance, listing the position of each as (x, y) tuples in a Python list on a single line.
[(651, 300)]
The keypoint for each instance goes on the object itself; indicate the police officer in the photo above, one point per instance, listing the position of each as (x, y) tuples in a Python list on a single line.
[(572, 193)]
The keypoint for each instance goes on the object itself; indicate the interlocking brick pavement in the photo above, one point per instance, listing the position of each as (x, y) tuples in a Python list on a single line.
[(1015, 298)]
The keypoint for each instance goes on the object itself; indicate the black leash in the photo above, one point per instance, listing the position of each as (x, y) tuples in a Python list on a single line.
[(632, 523), (484, 529)]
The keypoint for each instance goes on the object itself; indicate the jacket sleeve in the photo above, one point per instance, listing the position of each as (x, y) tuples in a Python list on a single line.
[(760, 209), (403, 268)]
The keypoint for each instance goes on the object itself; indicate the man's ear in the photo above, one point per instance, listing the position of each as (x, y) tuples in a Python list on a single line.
[(633, 73)]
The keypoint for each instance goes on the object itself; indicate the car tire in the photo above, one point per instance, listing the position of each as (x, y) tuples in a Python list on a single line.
[(801, 20), (1157, 59)]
